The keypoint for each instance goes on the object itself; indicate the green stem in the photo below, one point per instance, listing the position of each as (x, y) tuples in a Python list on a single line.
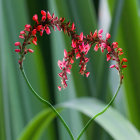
[(98, 114), (47, 103)]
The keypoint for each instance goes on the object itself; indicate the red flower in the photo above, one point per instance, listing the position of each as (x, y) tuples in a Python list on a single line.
[(17, 43), (35, 18), (47, 30), (87, 74), (119, 49), (22, 32), (30, 50), (120, 53), (95, 34), (100, 33), (124, 60), (17, 50), (21, 36), (115, 45), (35, 40), (80, 45), (108, 57), (72, 27), (124, 66), (109, 49), (65, 53), (96, 47), (43, 13), (49, 17), (59, 88), (34, 32), (112, 66), (108, 36), (81, 37), (27, 27)]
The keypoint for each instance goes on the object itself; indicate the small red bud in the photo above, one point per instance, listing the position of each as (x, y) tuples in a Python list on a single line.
[(30, 50), (119, 49), (108, 36), (87, 74), (34, 32), (43, 13), (124, 60), (17, 50), (35, 18), (17, 43), (124, 66), (59, 88)]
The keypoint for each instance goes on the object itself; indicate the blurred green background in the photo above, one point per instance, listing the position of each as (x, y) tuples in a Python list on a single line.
[(22, 116)]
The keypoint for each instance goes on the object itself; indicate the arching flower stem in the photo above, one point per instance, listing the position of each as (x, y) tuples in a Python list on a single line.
[(100, 113), (47, 103)]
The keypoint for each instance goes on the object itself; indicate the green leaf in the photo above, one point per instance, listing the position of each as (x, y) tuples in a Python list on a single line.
[(112, 121), (128, 39), (37, 125)]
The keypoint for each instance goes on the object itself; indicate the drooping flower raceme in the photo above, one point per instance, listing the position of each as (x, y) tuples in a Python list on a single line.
[(80, 45)]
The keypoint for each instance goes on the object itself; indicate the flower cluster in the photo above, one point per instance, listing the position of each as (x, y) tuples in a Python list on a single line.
[(80, 45)]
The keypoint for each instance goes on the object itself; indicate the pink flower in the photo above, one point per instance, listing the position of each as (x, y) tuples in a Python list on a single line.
[(17, 43), (35, 40), (30, 50), (34, 32), (99, 33), (119, 49), (39, 27), (72, 27), (43, 18), (112, 66), (65, 53), (95, 34), (60, 74), (43, 13), (62, 64), (73, 44), (109, 49), (86, 59), (68, 71), (47, 30), (124, 60), (80, 44), (59, 88), (115, 45), (81, 37), (108, 57), (124, 66), (27, 27), (108, 36), (87, 74), (104, 45), (102, 48), (86, 48), (17, 50), (22, 32), (21, 36), (120, 53), (78, 56), (49, 16), (35, 18), (96, 48)]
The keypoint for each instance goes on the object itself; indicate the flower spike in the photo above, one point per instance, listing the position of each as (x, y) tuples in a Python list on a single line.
[(80, 45)]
